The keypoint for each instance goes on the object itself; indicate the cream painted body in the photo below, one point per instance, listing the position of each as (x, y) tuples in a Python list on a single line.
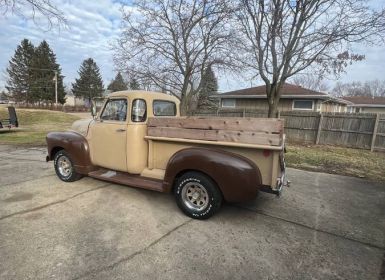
[(161, 150), (124, 146), (127, 150)]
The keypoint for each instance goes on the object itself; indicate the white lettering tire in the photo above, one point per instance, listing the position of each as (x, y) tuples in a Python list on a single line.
[(197, 195)]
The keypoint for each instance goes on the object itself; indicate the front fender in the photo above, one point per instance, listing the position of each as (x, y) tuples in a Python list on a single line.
[(74, 144), (236, 176)]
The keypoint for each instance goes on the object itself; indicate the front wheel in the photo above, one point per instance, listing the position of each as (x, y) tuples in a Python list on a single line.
[(197, 195), (64, 167)]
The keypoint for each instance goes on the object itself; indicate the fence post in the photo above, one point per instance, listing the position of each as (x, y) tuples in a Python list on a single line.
[(244, 112), (279, 114), (375, 132), (321, 117)]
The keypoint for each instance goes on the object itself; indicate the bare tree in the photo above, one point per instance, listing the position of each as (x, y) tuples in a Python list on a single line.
[(374, 88), (33, 9), (310, 81), (172, 43), (284, 37)]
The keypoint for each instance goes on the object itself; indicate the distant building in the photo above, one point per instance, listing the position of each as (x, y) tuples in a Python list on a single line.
[(293, 98), (365, 104), (71, 100)]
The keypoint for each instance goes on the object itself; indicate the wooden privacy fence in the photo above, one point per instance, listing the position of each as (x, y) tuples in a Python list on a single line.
[(364, 131)]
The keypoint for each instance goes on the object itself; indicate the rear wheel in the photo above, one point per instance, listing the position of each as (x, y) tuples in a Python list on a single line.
[(64, 167), (197, 195)]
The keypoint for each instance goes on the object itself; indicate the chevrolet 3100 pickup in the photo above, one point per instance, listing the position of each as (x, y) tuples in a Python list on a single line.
[(139, 139)]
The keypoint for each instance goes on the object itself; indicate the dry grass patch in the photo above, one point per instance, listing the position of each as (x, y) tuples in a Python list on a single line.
[(338, 160), (34, 126)]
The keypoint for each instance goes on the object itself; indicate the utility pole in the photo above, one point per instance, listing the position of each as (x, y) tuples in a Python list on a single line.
[(55, 87)]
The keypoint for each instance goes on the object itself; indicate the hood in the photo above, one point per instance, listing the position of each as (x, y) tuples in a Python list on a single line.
[(81, 126)]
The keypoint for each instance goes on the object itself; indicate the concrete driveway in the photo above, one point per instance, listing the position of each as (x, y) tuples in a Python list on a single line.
[(323, 227)]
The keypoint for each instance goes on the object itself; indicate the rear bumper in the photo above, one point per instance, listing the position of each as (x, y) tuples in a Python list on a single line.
[(281, 182)]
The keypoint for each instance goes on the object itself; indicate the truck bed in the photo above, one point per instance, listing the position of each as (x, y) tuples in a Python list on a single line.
[(266, 132), (260, 140)]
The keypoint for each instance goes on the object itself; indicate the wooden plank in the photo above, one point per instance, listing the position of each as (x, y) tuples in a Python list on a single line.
[(374, 132), (321, 117), (213, 123), (347, 131), (249, 137)]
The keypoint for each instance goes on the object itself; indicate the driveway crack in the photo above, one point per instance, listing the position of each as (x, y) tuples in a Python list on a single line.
[(260, 212), (52, 203), (111, 266)]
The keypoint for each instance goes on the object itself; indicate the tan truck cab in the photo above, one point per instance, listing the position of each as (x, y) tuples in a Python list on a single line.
[(139, 139)]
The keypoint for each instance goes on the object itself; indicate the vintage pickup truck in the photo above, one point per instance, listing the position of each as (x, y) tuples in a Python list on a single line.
[(139, 139)]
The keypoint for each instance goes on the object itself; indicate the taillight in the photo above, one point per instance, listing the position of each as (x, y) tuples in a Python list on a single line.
[(266, 153)]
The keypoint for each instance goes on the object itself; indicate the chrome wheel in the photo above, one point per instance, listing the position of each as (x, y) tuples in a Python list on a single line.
[(64, 166), (194, 196)]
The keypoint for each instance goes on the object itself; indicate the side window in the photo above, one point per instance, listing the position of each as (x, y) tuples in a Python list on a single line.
[(139, 110), (115, 110), (164, 108)]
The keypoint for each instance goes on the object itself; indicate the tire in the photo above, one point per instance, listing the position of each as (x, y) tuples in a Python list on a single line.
[(64, 167), (197, 195)]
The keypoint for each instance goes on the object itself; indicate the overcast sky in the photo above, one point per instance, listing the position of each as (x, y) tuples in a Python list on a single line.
[(94, 25)]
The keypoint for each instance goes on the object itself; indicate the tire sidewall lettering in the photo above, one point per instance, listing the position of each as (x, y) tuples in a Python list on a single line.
[(209, 206)]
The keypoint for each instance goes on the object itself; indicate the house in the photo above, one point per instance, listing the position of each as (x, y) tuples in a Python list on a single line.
[(72, 100), (365, 104), (293, 98)]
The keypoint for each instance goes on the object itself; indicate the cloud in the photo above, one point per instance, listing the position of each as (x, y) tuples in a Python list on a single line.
[(92, 27)]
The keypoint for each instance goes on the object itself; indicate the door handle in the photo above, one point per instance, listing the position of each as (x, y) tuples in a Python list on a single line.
[(120, 130)]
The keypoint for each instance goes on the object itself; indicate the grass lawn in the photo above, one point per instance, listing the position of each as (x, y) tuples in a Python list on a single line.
[(34, 126), (337, 160)]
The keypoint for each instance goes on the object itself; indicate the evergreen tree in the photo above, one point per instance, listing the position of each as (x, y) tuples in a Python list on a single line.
[(18, 83), (89, 84), (117, 84), (209, 87), (3, 95), (42, 74), (134, 85)]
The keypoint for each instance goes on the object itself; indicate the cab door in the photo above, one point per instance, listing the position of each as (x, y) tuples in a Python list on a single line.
[(108, 136)]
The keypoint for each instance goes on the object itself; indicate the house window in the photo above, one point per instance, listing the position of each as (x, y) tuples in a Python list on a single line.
[(303, 104), (228, 103)]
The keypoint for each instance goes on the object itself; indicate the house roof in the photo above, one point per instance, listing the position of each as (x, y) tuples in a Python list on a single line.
[(365, 101), (287, 91)]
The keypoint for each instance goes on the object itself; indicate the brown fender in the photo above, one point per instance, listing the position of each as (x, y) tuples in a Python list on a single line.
[(74, 144), (237, 177)]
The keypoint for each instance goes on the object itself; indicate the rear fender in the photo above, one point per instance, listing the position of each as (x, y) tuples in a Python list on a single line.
[(237, 177)]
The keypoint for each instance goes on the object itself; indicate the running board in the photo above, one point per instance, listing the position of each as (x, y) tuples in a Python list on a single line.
[(128, 179)]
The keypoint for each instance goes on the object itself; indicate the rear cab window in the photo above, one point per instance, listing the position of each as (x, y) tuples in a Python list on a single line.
[(164, 108)]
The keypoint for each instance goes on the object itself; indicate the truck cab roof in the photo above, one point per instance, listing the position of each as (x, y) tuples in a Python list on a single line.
[(146, 95)]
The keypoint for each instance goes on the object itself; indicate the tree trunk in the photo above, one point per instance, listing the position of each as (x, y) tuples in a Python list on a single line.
[(184, 106), (272, 110), (273, 96)]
